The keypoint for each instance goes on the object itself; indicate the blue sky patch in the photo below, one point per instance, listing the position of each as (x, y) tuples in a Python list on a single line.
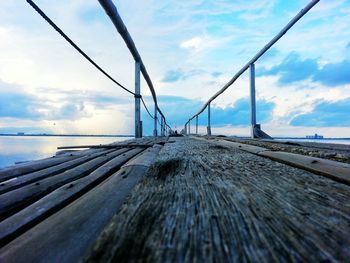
[(326, 114), (293, 68), (177, 109), (192, 47), (18, 106), (334, 74)]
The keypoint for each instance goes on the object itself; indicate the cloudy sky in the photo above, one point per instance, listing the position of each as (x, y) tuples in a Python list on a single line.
[(191, 49)]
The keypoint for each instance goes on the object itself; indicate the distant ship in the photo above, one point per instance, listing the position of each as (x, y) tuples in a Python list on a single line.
[(316, 136)]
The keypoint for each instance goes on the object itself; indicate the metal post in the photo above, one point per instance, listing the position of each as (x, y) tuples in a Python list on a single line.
[(261, 52), (162, 127), (209, 126), (138, 131), (252, 99), (189, 127), (197, 124), (155, 131)]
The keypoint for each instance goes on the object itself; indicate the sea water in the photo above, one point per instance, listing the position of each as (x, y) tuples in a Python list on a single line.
[(14, 149)]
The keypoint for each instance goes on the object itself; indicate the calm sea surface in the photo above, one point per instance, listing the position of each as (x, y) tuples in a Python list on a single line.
[(19, 149)]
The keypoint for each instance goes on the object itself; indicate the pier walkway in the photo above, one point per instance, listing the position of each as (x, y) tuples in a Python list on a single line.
[(179, 199)]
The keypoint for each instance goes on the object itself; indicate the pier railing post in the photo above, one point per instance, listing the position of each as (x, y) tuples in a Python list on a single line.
[(197, 124), (252, 99), (155, 131), (138, 124), (209, 125), (162, 127), (189, 127)]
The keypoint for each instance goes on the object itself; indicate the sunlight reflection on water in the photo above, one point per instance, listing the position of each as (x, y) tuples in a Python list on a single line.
[(25, 148)]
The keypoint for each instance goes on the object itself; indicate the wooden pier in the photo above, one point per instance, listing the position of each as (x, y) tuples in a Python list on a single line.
[(179, 199)]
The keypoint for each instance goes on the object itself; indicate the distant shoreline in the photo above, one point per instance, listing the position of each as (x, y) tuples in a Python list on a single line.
[(295, 138), (64, 135), (124, 135)]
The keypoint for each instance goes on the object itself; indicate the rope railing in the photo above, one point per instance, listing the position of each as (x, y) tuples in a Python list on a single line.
[(71, 42), (112, 12), (255, 128), (147, 110)]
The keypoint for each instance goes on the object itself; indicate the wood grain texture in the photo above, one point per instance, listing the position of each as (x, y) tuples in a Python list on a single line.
[(19, 181), (107, 146), (32, 166), (67, 235), (33, 214), (21, 169), (209, 203), (17, 199), (335, 170), (199, 201), (331, 151), (338, 171)]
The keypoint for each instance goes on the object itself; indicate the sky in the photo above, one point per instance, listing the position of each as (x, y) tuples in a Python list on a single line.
[(191, 49)]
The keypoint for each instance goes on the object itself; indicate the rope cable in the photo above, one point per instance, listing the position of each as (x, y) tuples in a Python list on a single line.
[(48, 20), (144, 105), (76, 47)]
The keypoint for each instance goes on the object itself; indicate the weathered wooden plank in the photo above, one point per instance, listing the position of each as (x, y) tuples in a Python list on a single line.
[(335, 152), (241, 146), (335, 170), (32, 166), (66, 235), (21, 169), (78, 153), (33, 214), (13, 201), (17, 182), (144, 142), (106, 146), (205, 202)]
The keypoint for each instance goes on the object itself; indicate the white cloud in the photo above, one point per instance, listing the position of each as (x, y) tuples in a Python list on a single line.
[(200, 44), (193, 43), (192, 35)]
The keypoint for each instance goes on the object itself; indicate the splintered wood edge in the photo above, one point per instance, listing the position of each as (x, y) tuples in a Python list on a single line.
[(334, 170)]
